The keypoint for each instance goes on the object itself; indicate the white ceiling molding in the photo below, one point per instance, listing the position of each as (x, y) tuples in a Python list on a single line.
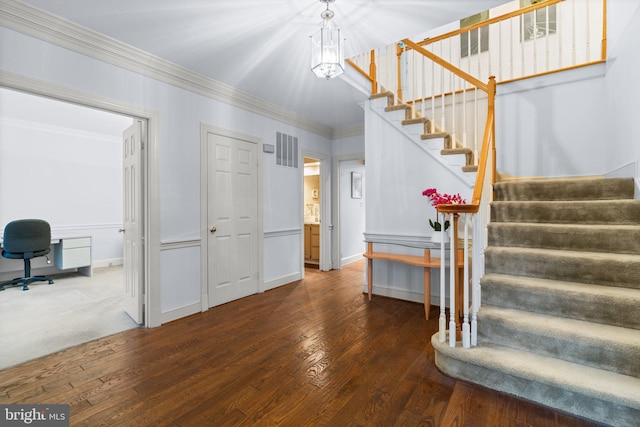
[(349, 131), (42, 25)]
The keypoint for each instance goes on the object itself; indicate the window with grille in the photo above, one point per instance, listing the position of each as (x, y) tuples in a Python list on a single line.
[(539, 23), (477, 40)]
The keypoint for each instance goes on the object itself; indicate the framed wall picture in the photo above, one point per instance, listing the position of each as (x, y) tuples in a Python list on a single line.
[(356, 185)]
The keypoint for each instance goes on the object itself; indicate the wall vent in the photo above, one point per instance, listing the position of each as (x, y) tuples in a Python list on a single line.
[(286, 150)]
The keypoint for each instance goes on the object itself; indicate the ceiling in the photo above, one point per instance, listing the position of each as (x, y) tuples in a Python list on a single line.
[(262, 47)]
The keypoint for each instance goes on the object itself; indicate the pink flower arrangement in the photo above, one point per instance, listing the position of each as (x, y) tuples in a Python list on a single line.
[(441, 199)]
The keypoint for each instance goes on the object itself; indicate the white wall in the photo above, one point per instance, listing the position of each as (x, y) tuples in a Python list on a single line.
[(352, 213), (181, 112), (398, 170), (621, 85), (63, 163), (580, 122)]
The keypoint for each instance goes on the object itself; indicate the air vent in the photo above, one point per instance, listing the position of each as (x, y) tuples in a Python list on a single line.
[(286, 150)]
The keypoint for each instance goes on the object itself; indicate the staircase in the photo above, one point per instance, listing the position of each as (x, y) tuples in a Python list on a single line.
[(448, 147), (560, 316)]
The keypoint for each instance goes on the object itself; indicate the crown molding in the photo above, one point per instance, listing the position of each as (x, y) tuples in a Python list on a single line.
[(35, 22), (356, 129)]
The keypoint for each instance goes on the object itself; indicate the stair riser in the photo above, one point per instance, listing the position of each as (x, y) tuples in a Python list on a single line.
[(574, 305), (607, 271), (569, 189), (546, 394), (592, 239), (622, 358), (606, 212)]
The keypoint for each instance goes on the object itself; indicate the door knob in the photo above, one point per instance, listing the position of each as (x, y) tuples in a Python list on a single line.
[(121, 230), (213, 229)]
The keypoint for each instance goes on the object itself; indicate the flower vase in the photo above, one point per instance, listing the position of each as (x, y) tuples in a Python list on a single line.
[(439, 236)]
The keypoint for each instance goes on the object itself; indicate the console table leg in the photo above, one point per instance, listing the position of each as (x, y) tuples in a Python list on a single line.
[(369, 277), (427, 292)]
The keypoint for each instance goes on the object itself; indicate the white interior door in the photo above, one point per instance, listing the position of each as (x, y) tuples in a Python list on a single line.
[(132, 219), (232, 218)]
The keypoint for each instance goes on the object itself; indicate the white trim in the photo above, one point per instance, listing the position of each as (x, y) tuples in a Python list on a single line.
[(168, 245), (356, 129), (326, 263), (180, 312), (60, 130), (403, 240), (281, 233), (387, 291), (151, 154), (402, 294), (42, 25), (205, 129), (352, 258), (111, 262), (337, 164), (82, 227), (285, 280)]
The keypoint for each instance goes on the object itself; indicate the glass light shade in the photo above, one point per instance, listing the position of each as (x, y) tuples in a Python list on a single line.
[(327, 58)]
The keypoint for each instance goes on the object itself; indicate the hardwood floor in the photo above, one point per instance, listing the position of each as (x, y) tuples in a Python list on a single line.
[(314, 352)]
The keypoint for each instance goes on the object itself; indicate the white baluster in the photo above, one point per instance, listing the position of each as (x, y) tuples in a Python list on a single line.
[(453, 109), (464, 114), (560, 31), (548, 53), (466, 329), (452, 285), (573, 33), (443, 305), (588, 31), (432, 119), (424, 87), (534, 19)]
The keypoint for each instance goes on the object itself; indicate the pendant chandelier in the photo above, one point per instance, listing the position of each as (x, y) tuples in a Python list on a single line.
[(327, 58)]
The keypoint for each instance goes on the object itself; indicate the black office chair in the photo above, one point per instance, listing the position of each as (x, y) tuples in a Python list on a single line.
[(26, 239)]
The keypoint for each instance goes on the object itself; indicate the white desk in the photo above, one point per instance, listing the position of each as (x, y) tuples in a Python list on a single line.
[(72, 252)]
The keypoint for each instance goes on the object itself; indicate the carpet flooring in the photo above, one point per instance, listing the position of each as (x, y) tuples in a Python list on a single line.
[(48, 318)]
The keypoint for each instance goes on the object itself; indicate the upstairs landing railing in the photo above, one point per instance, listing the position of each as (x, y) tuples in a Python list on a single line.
[(546, 37), (550, 36)]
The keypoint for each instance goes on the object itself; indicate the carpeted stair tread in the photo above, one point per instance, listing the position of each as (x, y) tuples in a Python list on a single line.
[(601, 304), (626, 211), (611, 387), (565, 189), (559, 321), (601, 346), (575, 237), (584, 267)]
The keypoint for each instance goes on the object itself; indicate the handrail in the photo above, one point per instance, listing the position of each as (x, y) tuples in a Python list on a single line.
[(455, 70), (490, 21), (487, 142), (371, 78)]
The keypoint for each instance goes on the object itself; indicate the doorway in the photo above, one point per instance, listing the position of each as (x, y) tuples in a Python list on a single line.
[(70, 119), (311, 207), (319, 167), (231, 215)]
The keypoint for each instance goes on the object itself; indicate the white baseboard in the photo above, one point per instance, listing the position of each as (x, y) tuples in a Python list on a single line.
[(349, 260), (403, 294), (180, 312), (107, 262), (281, 281)]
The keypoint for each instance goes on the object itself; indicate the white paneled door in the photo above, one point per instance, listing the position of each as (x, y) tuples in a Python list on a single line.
[(232, 218), (132, 221)]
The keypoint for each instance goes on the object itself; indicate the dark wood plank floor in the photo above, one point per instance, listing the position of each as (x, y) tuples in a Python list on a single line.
[(315, 352)]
